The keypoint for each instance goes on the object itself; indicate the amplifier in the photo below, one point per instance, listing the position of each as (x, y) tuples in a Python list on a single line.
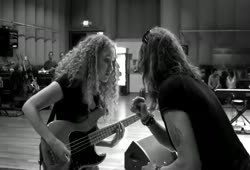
[(147, 150)]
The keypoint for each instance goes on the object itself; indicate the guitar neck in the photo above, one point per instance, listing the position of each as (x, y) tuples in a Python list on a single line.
[(99, 135)]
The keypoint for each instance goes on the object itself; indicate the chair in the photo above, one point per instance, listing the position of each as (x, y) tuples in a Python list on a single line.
[(240, 106), (239, 99)]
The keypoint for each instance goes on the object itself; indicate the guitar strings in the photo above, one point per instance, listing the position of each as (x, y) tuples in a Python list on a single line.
[(91, 135), (84, 142), (85, 145)]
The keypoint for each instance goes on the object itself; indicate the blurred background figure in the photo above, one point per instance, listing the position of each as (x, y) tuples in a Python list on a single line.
[(231, 80), (214, 79), (61, 56), (223, 79), (203, 74), (50, 64)]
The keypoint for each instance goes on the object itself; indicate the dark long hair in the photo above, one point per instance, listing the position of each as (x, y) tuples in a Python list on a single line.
[(162, 55)]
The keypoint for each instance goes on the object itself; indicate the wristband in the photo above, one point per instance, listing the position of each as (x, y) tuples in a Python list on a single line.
[(149, 120), (143, 121), (158, 168)]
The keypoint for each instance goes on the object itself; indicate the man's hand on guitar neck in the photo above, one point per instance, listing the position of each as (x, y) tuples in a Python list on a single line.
[(60, 150)]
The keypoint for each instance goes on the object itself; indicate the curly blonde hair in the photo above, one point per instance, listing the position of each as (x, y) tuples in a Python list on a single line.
[(80, 66), (162, 55)]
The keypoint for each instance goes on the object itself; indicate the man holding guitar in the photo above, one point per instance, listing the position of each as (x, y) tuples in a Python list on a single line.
[(196, 126), (85, 88)]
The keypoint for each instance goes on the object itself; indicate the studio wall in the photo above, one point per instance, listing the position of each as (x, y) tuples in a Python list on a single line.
[(42, 26), (201, 24)]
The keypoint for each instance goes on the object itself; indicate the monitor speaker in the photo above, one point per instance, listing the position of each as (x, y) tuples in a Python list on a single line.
[(147, 150), (8, 41)]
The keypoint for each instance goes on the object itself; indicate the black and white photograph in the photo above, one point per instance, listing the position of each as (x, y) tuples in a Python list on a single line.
[(124, 85)]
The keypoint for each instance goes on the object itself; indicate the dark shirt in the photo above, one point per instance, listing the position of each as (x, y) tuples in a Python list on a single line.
[(223, 80), (218, 145), (71, 107), (49, 64)]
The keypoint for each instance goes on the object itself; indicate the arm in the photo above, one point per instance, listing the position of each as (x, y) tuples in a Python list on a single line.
[(234, 82), (181, 133), (218, 83), (51, 69), (47, 96), (161, 135), (140, 108), (159, 132)]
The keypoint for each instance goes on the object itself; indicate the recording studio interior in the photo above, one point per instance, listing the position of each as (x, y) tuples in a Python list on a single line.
[(38, 36)]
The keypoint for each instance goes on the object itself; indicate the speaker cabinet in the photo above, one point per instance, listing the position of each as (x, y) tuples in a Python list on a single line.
[(147, 150), (8, 41)]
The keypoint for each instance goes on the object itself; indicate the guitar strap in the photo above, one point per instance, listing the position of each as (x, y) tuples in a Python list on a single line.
[(51, 118)]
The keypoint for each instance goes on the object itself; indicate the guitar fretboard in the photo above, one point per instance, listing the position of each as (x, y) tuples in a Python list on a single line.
[(99, 135)]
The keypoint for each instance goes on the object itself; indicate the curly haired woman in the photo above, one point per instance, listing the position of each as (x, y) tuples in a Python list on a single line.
[(85, 88), (196, 125)]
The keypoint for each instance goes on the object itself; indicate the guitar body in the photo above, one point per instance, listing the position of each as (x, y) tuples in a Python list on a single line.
[(83, 154)]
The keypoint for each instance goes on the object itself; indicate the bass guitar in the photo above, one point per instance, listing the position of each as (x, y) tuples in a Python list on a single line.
[(80, 138)]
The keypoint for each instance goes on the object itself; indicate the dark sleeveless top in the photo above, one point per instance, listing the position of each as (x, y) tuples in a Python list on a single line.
[(71, 107)]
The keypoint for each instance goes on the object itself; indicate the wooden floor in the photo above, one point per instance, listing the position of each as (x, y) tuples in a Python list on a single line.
[(19, 142)]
